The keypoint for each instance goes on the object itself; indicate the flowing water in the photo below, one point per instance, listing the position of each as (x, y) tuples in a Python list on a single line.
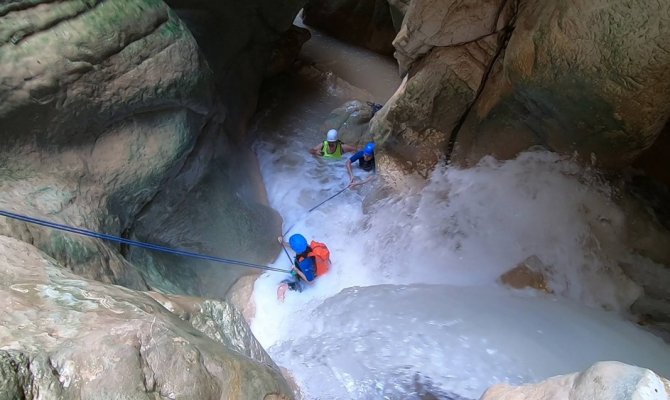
[(411, 308)]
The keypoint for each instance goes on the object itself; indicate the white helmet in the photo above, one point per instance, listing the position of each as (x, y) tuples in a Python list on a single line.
[(332, 135)]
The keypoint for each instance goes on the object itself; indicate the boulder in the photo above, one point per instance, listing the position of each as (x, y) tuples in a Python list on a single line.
[(530, 273), (70, 338), (608, 380), (352, 122)]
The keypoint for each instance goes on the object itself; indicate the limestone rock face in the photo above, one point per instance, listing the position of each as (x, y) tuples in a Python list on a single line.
[(70, 338), (416, 124), (442, 23), (366, 23), (586, 77), (608, 380)]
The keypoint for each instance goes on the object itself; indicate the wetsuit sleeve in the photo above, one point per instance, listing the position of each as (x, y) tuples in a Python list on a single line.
[(356, 157)]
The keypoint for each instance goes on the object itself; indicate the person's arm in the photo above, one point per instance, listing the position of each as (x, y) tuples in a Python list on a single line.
[(351, 173), (316, 150), (300, 274), (346, 148)]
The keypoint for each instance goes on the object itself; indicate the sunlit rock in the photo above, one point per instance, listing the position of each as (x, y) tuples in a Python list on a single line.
[(71, 338), (608, 380)]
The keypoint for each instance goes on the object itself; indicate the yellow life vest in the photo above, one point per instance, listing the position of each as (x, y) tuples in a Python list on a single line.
[(336, 155)]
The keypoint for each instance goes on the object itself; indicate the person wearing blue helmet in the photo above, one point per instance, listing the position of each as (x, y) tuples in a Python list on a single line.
[(305, 265), (366, 161)]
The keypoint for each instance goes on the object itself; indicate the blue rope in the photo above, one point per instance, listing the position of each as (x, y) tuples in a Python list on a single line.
[(314, 208), (144, 245), (331, 197)]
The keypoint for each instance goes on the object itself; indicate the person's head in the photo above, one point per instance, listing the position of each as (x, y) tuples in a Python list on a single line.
[(369, 151), (331, 136), (298, 243)]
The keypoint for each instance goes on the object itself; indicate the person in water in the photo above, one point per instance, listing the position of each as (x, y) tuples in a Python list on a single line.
[(331, 148), (311, 261), (366, 161)]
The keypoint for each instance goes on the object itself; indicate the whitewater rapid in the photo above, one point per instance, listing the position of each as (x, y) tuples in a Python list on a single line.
[(412, 303)]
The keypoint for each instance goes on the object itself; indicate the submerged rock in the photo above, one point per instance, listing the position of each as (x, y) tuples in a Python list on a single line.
[(528, 274)]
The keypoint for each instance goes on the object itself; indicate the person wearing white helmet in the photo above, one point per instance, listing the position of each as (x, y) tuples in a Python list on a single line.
[(331, 148)]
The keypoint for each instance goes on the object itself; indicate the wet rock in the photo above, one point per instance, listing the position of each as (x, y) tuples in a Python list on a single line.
[(366, 23), (240, 295), (528, 274), (142, 350), (352, 122), (608, 380)]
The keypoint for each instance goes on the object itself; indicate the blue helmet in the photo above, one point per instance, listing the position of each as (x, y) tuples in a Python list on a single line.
[(369, 149), (298, 243)]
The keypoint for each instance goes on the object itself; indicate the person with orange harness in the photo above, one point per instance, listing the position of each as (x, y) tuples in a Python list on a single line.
[(311, 261), (331, 148)]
